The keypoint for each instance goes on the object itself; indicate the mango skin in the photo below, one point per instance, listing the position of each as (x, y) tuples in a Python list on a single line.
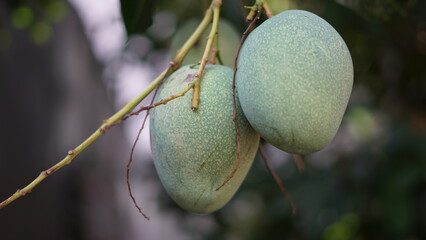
[(294, 79), (194, 151)]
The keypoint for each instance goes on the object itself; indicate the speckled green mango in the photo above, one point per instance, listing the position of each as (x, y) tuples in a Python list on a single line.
[(294, 81), (194, 151)]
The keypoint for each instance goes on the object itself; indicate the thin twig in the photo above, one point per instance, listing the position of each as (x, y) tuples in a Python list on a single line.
[(161, 102), (129, 163), (299, 162), (234, 101), (278, 181), (215, 26)]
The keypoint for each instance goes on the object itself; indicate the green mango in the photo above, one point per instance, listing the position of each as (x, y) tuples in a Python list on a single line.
[(294, 80), (195, 151), (229, 40)]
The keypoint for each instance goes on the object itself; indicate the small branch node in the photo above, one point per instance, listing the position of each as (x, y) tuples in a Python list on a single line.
[(103, 130), (172, 63)]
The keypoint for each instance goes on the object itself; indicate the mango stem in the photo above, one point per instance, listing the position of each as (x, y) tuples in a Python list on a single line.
[(215, 27)]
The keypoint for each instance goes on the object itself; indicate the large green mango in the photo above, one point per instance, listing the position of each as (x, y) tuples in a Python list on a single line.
[(194, 151), (294, 81)]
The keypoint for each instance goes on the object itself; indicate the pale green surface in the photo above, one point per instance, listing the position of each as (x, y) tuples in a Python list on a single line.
[(294, 78), (229, 40), (194, 152)]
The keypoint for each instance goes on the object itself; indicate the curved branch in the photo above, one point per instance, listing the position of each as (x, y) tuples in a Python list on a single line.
[(118, 116)]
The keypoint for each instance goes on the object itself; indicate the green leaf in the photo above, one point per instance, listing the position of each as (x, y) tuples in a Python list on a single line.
[(137, 15)]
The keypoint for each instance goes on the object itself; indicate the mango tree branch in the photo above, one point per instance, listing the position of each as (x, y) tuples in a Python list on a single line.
[(183, 51), (161, 102), (215, 26), (117, 117)]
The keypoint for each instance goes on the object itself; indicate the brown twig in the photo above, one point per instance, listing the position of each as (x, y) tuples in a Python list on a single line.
[(129, 163), (161, 102), (234, 101), (299, 162), (278, 181), (128, 166)]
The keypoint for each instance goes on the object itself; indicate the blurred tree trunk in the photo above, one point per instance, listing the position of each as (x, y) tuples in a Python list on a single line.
[(51, 99)]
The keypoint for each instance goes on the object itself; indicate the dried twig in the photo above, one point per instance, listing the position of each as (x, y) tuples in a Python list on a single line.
[(129, 163), (299, 162), (278, 181), (237, 128)]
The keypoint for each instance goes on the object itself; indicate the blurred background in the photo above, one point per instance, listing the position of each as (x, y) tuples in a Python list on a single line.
[(67, 65)]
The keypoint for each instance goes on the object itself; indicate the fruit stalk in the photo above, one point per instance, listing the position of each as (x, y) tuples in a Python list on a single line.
[(215, 26), (163, 101)]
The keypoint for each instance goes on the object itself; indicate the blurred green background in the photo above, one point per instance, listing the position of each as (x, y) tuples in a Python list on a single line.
[(56, 87)]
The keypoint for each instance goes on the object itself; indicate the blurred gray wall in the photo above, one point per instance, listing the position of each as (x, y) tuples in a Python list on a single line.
[(51, 99)]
